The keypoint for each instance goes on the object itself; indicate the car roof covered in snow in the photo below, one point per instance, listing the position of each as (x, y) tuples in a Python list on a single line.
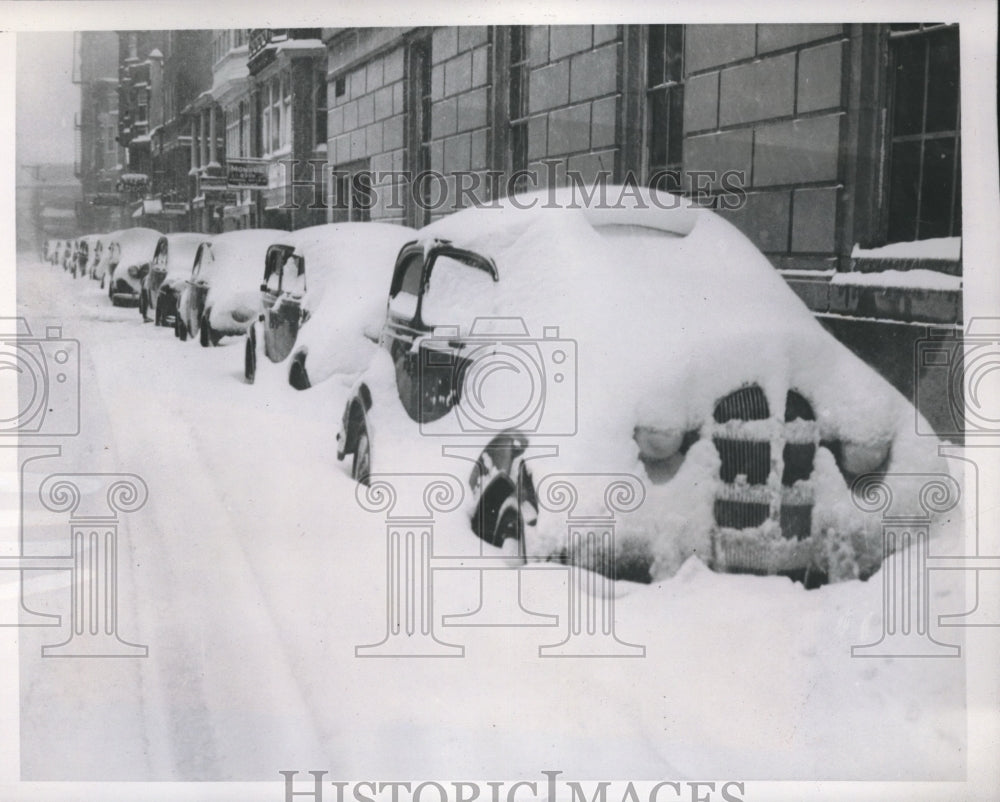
[(674, 303), (347, 251), (237, 257), (138, 245), (181, 249)]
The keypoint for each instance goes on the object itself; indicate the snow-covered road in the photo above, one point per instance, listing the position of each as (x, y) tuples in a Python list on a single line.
[(252, 573)]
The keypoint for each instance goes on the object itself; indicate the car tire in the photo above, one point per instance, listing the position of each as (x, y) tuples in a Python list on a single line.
[(361, 468), (298, 377), (250, 357), (181, 329), (157, 316), (203, 334)]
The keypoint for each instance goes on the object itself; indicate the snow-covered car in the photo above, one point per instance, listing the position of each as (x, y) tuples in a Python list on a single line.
[(68, 259), (132, 251), (221, 296), (333, 277), (620, 341), (84, 253), (94, 255), (101, 265), (171, 267)]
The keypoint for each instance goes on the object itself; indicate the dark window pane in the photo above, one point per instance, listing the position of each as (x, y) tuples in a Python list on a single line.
[(956, 212), (675, 129), (654, 60), (519, 150), (666, 180), (515, 93), (903, 191), (516, 44), (942, 81), (659, 128), (674, 49), (904, 26), (935, 193), (908, 98)]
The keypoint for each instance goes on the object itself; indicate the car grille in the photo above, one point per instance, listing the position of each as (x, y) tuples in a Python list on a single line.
[(746, 438)]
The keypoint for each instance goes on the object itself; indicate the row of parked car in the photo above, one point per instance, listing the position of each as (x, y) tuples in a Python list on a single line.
[(647, 340)]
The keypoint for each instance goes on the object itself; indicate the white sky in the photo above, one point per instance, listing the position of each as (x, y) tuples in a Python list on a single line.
[(46, 97)]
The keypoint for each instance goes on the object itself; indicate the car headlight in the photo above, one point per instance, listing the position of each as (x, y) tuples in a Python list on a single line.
[(657, 444), (859, 458), (662, 451), (135, 271)]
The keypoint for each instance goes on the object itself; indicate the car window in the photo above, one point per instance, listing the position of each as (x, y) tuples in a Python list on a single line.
[(404, 302), (202, 259), (293, 279), (456, 292)]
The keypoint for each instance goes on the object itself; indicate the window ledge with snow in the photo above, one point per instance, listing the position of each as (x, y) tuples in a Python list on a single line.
[(943, 254)]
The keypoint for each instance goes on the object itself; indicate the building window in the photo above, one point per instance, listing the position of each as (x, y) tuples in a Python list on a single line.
[(352, 193), (665, 106), (924, 175), (517, 91), (319, 105), (276, 114), (419, 129)]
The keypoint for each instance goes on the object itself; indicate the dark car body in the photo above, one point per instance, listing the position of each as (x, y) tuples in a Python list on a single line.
[(224, 273), (171, 265)]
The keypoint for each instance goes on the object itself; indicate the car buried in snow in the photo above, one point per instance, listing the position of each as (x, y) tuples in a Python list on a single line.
[(171, 266), (221, 295), (332, 277), (131, 254), (583, 342)]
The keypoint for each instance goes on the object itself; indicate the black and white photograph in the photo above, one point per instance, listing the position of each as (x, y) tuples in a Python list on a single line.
[(586, 403)]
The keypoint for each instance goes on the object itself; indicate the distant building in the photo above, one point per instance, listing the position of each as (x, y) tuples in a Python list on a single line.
[(99, 157), (47, 201)]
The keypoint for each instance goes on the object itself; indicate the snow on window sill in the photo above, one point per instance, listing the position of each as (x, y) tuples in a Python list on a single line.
[(944, 248)]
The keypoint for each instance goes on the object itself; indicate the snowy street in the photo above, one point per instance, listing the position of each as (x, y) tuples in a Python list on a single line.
[(252, 573)]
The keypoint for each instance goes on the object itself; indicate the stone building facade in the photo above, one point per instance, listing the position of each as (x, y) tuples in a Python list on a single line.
[(842, 136)]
